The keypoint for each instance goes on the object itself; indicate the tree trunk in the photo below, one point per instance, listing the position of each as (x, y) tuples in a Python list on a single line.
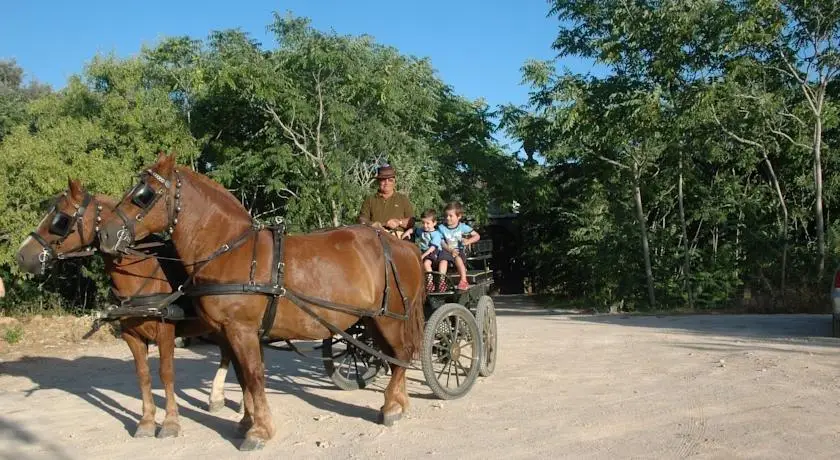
[(336, 218), (818, 186), (640, 215), (687, 262), (784, 228)]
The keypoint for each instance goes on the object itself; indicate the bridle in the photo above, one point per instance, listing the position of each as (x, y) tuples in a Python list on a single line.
[(145, 197), (63, 225)]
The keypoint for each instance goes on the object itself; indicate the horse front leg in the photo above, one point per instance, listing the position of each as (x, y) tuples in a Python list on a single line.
[(247, 352), (139, 349), (166, 345)]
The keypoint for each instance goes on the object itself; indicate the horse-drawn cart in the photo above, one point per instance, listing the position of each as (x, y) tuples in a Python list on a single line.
[(459, 341)]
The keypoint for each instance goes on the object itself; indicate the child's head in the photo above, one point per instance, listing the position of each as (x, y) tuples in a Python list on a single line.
[(429, 219), (453, 213)]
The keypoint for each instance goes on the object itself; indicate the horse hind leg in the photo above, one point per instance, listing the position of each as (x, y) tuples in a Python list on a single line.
[(217, 391), (166, 344), (388, 334)]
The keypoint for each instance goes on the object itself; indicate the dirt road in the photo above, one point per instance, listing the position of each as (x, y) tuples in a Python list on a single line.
[(566, 386)]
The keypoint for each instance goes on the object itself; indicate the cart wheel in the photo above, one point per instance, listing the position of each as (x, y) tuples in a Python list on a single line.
[(182, 342), (349, 367), (451, 351), (485, 316)]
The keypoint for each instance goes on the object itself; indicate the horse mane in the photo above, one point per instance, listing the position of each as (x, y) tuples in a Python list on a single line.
[(106, 201), (222, 195)]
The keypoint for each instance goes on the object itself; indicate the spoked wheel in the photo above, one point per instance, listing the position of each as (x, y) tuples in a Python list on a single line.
[(349, 367), (451, 351), (485, 316)]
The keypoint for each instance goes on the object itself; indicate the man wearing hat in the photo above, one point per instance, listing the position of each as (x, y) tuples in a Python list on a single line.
[(388, 208)]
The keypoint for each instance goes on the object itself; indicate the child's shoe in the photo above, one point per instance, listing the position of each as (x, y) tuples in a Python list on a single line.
[(442, 285), (430, 283), (463, 285)]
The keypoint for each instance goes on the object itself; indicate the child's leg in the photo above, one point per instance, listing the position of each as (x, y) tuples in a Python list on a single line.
[(462, 268), (427, 264), (443, 265)]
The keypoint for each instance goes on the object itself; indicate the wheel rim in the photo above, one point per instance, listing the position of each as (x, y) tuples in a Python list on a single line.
[(352, 364), (489, 338), (454, 352)]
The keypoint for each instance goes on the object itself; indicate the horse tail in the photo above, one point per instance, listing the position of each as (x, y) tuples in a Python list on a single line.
[(414, 327)]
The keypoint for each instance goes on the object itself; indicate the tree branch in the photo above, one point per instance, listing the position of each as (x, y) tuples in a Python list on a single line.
[(290, 133), (806, 89), (790, 139), (613, 162), (735, 136)]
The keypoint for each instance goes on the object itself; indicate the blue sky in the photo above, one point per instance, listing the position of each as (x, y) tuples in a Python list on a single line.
[(476, 46)]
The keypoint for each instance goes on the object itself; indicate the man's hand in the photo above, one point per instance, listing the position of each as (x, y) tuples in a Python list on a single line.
[(392, 223)]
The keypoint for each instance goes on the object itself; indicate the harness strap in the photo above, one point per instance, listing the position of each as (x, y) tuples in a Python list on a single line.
[(370, 350), (391, 267), (143, 300), (277, 272)]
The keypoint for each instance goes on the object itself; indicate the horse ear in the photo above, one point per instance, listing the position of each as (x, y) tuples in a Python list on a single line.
[(166, 164), (161, 156), (75, 187)]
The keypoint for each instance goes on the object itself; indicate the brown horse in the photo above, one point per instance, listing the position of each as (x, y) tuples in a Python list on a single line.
[(216, 237), (68, 230)]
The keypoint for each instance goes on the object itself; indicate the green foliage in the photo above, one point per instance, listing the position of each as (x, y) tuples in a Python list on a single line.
[(13, 334), (721, 96), (295, 131)]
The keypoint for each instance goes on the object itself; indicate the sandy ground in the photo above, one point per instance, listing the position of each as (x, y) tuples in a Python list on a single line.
[(566, 386)]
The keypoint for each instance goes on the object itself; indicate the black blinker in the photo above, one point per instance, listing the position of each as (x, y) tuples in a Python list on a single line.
[(61, 224)]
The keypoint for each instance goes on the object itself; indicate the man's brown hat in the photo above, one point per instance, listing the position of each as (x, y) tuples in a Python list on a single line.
[(385, 172)]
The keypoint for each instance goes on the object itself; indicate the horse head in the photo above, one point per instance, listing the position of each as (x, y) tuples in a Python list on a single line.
[(67, 230), (151, 206)]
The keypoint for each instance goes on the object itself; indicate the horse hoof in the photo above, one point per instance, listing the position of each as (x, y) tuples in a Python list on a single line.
[(389, 419), (216, 406), (145, 430), (169, 430), (243, 427), (252, 444)]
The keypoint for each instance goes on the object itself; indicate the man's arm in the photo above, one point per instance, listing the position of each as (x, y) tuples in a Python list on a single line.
[(408, 215), (364, 214)]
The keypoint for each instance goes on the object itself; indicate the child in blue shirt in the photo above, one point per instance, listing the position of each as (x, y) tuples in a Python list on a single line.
[(456, 237), (428, 239)]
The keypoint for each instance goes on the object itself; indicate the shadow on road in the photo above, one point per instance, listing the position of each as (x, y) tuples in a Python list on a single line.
[(93, 378), (11, 431)]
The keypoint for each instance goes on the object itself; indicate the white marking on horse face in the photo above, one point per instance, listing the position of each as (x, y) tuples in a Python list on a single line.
[(28, 240)]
